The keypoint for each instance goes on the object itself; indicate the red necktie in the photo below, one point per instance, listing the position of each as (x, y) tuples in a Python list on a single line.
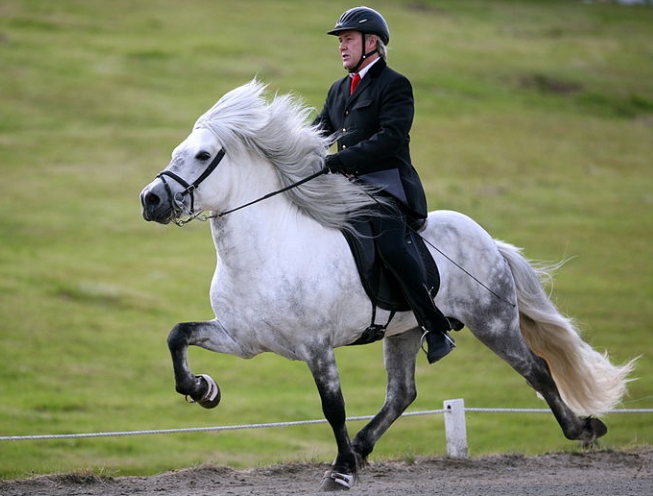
[(354, 83)]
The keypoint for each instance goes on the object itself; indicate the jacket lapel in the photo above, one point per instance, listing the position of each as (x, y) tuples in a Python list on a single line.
[(373, 73)]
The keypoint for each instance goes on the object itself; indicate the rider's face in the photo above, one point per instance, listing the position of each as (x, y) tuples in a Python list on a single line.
[(351, 47)]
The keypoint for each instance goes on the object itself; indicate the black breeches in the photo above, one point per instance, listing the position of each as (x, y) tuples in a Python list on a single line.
[(392, 243), (395, 248)]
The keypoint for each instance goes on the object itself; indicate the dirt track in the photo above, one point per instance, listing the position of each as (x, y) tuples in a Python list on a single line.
[(589, 473)]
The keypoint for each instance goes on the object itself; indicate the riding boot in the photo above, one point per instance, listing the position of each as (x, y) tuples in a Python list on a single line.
[(434, 324), (439, 344)]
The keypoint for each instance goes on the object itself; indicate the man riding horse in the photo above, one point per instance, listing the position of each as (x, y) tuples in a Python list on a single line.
[(371, 112)]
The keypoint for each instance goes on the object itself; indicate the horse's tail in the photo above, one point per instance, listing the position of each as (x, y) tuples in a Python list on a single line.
[(586, 379)]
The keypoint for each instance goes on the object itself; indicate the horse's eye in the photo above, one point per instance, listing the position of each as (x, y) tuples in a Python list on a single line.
[(203, 155)]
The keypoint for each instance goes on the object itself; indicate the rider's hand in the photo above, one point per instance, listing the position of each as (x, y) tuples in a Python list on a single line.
[(333, 164)]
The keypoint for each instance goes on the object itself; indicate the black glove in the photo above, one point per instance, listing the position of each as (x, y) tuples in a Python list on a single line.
[(334, 164)]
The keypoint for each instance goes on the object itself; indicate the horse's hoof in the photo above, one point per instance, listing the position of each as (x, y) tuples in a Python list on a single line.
[(212, 396), (597, 427), (334, 482), (594, 429)]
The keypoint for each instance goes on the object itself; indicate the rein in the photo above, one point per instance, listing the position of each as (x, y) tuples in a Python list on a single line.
[(177, 200), (272, 194)]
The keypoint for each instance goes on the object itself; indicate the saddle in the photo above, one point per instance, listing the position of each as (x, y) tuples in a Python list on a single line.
[(379, 283)]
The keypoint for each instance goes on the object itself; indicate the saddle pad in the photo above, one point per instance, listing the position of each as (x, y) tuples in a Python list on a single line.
[(377, 280)]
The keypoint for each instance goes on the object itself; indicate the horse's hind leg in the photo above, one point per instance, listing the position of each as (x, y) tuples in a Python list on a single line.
[(511, 347), (400, 352)]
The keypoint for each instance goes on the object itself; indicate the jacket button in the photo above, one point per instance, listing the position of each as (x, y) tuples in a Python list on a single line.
[(344, 147)]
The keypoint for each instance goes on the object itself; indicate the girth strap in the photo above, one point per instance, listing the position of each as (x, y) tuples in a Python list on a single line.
[(374, 331)]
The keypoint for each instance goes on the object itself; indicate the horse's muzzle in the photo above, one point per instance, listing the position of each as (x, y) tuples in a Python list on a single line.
[(156, 203)]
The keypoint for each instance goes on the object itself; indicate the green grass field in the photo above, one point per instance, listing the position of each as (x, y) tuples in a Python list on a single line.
[(534, 117)]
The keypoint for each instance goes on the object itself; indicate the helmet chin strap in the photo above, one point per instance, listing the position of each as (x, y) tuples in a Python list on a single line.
[(365, 56)]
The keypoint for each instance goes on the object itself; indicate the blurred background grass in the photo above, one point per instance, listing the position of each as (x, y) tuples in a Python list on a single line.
[(534, 117)]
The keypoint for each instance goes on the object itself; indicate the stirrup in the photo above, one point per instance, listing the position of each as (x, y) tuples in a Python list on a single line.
[(438, 352), (423, 339), (446, 336)]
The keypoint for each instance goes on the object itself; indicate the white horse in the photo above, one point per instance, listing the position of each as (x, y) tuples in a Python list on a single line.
[(286, 281)]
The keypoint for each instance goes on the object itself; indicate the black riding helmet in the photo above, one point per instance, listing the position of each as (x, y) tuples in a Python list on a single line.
[(365, 21)]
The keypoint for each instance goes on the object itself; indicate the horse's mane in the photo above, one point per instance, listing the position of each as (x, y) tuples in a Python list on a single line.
[(278, 130)]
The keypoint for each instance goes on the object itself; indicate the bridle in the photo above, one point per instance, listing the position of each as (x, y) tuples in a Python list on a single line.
[(177, 200)]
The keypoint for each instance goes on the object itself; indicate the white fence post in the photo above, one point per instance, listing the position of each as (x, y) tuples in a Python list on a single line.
[(455, 428)]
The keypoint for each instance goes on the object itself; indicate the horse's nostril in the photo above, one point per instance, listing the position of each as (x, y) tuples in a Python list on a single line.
[(152, 199)]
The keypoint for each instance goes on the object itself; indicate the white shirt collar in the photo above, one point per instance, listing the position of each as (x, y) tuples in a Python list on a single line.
[(363, 71)]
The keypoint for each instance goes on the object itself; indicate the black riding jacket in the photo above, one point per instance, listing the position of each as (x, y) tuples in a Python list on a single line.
[(373, 126)]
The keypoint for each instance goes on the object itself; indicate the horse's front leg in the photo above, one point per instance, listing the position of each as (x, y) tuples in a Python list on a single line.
[(325, 373), (209, 335)]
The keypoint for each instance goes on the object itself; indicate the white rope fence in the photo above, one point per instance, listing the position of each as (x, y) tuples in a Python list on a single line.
[(454, 419), (201, 429)]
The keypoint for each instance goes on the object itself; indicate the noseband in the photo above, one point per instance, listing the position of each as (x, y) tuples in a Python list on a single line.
[(177, 200)]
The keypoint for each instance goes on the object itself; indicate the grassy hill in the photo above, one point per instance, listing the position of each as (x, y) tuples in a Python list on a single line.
[(533, 117)]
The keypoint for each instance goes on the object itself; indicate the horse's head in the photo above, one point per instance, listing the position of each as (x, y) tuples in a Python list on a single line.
[(269, 148), (175, 192)]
